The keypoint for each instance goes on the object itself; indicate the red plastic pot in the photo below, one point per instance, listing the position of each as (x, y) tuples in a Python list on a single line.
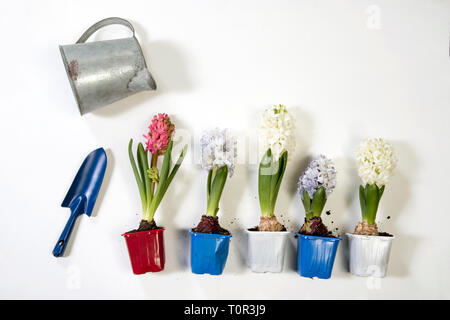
[(146, 250)]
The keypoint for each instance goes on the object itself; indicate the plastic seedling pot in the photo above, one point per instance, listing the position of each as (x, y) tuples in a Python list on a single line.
[(266, 250), (369, 255), (315, 255), (209, 252), (146, 250)]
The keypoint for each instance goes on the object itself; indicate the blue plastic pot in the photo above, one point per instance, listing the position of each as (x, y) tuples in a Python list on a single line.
[(209, 252), (315, 257)]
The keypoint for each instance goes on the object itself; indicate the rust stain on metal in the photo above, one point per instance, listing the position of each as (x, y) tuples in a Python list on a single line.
[(73, 70)]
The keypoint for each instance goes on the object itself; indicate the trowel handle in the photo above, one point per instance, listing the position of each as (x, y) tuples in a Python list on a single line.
[(60, 246), (104, 23)]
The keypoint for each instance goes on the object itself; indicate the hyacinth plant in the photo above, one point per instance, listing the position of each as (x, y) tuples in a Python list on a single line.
[(153, 183), (218, 153), (376, 163), (277, 138), (315, 185)]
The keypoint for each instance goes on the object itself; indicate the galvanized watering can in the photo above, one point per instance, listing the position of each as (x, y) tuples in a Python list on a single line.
[(102, 72)]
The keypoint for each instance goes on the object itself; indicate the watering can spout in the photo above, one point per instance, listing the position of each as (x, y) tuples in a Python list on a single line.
[(102, 72), (142, 81)]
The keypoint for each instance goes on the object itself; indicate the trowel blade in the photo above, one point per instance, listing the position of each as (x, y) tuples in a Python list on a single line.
[(87, 182)]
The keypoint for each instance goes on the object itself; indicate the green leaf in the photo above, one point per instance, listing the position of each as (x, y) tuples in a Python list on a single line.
[(216, 191), (264, 182), (175, 169), (142, 157), (211, 175), (318, 202), (381, 191), (208, 184), (167, 163), (307, 204), (362, 202), (372, 201), (276, 180), (269, 181), (139, 182)]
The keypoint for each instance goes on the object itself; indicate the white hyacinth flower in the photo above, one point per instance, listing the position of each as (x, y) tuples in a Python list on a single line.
[(376, 161), (218, 148), (276, 131)]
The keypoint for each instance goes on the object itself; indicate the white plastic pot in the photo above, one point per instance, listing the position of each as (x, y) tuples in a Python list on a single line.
[(266, 250), (369, 255)]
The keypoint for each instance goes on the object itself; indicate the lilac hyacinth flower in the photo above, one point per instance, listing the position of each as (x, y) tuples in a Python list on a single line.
[(218, 148), (320, 173)]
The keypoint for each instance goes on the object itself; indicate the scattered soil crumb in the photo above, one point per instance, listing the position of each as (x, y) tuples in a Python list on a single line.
[(384, 234)]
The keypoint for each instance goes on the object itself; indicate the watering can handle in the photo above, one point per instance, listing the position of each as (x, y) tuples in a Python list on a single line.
[(104, 23)]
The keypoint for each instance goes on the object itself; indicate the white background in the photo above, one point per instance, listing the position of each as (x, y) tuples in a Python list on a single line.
[(346, 69)]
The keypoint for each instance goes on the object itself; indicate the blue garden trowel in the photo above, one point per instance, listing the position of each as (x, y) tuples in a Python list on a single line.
[(82, 194)]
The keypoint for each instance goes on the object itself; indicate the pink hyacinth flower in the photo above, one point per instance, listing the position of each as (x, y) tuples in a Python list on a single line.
[(159, 134)]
